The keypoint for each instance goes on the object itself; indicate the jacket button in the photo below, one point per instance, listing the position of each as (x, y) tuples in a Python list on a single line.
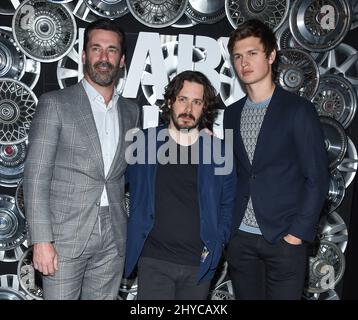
[(97, 204), (151, 216), (253, 177)]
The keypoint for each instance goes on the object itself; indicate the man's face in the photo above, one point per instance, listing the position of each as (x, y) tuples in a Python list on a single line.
[(103, 57), (187, 109), (250, 61)]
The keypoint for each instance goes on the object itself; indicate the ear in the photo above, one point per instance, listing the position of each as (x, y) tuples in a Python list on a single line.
[(122, 61), (272, 56), (83, 56)]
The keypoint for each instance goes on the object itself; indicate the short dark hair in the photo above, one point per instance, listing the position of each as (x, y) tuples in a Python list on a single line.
[(105, 24), (254, 28), (210, 101)]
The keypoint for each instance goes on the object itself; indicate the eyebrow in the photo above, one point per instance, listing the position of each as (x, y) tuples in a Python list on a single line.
[(181, 96), (98, 45), (250, 50)]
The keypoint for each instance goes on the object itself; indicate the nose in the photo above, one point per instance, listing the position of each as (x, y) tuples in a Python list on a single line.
[(103, 56), (244, 61), (188, 106)]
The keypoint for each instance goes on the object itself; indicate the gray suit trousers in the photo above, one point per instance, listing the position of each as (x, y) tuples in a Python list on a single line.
[(94, 275)]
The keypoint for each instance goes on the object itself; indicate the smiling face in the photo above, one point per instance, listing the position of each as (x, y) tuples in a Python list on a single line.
[(188, 106), (250, 61), (102, 58)]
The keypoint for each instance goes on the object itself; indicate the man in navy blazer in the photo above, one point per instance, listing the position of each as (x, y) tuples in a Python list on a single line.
[(181, 200), (282, 174)]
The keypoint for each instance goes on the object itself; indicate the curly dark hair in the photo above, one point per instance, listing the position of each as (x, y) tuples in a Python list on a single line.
[(210, 101)]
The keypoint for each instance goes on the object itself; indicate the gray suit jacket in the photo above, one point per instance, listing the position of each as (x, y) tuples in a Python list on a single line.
[(64, 171)]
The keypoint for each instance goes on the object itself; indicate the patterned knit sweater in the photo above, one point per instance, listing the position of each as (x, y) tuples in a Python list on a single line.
[(250, 124)]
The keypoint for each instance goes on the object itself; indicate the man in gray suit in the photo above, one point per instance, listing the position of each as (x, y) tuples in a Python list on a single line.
[(74, 175)]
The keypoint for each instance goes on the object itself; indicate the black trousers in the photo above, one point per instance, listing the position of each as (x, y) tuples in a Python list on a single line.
[(163, 280), (261, 270)]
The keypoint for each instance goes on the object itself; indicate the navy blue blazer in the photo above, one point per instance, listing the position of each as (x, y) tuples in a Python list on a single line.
[(216, 202), (288, 179)]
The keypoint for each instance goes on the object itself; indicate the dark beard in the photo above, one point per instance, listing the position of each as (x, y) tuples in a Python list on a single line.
[(104, 80), (181, 127)]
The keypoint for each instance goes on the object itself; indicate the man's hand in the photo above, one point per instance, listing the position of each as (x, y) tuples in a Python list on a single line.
[(292, 239), (45, 258)]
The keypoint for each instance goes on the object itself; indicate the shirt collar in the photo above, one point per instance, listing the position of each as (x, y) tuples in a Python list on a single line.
[(93, 94)]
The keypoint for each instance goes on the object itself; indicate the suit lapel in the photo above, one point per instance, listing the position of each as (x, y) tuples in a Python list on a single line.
[(271, 120), (152, 133), (86, 122), (118, 159), (204, 170)]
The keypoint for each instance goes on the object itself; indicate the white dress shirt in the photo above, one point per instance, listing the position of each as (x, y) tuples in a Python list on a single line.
[(106, 119)]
